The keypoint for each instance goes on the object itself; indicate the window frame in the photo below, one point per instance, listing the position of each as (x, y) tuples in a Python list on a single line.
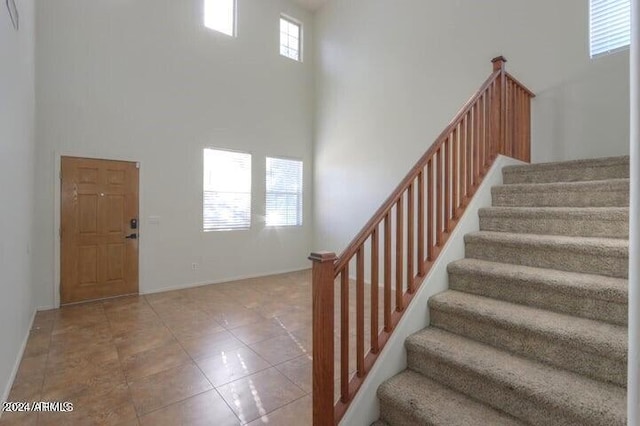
[(250, 193), (616, 48), (298, 23), (234, 17), (300, 194)]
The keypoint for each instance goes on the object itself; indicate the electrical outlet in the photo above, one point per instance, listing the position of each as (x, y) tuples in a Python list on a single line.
[(195, 266)]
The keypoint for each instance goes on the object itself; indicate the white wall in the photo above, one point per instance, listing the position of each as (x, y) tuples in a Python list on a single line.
[(16, 186), (391, 75), (144, 80)]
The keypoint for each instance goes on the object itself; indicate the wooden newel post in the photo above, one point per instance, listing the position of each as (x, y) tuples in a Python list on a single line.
[(500, 105), (323, 326), (498, 63)]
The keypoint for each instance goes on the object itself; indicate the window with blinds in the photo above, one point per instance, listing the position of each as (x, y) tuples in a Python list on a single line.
[(609, 26), (226, 190), (284, 192)]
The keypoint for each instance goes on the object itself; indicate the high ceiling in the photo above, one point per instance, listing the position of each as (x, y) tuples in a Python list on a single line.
[(311, 4)]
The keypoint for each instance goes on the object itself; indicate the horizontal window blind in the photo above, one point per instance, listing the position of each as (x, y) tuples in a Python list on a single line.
[(227, 190), (284, 192), (609, 26)]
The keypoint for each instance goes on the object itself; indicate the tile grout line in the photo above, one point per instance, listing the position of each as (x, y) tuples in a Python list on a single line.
[(79, 392), (121, 365), (195, 363), (271, 365), (271, 313)]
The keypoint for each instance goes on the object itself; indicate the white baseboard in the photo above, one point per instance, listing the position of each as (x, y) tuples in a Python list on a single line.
[(16, 364), (224, 280), (45, 308)]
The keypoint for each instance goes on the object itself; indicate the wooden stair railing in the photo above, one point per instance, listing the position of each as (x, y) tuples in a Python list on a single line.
[(405, 236)]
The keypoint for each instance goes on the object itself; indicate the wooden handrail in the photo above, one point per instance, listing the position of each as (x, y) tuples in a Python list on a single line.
[(423, 210)]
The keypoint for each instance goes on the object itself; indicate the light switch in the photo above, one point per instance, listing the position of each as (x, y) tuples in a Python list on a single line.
[(154, 220)]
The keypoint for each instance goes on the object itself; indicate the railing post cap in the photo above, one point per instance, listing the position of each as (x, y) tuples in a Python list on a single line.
[(498, 62), (323, 256)]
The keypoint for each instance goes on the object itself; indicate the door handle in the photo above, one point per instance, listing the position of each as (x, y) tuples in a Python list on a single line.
[(132, 237)]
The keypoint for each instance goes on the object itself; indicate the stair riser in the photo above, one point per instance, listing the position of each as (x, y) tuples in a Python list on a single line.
[(517, 402), (393, 416), (412, 399), (551, 350), (538, 295), (618, 171), (504, 196), (607, 262), (571, 227)]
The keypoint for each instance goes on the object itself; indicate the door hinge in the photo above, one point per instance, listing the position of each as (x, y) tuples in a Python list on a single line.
[(60, 175), (60, 232), (137, 165)]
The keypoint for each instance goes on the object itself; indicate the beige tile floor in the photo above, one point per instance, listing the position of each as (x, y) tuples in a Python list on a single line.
[(224, 354)]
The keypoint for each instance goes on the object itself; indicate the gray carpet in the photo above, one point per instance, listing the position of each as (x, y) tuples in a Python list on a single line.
[(533, 327)]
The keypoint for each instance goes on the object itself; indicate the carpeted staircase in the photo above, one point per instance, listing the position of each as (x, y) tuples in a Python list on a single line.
[(533, 328)]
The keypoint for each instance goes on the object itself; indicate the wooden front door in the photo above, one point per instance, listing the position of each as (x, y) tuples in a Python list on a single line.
[(99, 245)]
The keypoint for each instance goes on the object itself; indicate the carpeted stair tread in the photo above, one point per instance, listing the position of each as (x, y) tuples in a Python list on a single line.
[(600, 193), (601, 256), (593, 336), (570, 283), (532, 391), (412, 399), (593, 348), (568, 171), (587, 244), (583, 295), (609, 222)]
